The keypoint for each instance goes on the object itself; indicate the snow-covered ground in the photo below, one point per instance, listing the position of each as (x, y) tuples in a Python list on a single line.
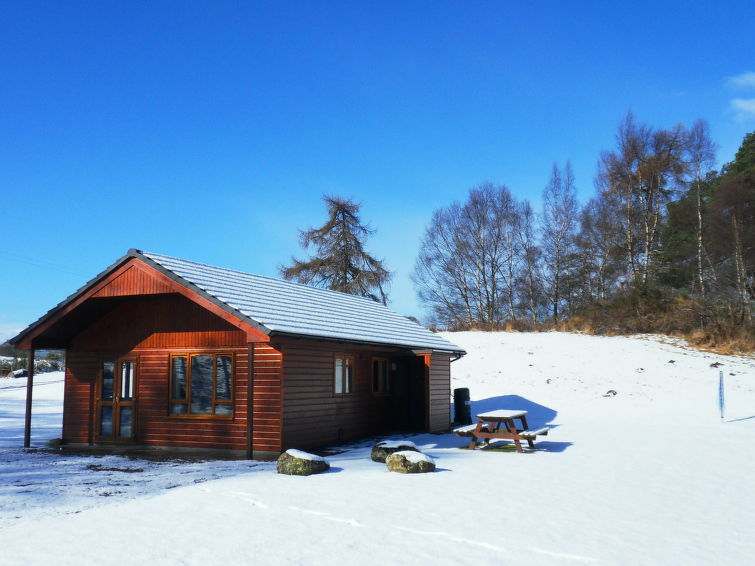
[(649, 475)]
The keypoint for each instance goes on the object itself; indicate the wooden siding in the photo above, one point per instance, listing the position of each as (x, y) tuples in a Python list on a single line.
[(132, 280), (293, 404), (440, 393), (156, 427), (160, 321), (151, 328), (312, 414), (267, 399), (80, 375)]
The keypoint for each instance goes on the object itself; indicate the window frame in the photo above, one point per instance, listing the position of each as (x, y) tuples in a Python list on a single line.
[(116, 401), (386, 364), (348, 363), (186, 400)]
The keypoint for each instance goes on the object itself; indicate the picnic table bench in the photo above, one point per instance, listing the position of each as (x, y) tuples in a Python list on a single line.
[(501, 424)]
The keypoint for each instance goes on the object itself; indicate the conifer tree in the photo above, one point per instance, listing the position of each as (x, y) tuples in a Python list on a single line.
[(340, 262)]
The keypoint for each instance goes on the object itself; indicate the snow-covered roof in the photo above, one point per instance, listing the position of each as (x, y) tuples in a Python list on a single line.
[(284, 307)]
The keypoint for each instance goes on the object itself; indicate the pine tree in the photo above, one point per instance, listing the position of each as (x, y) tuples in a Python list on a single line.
[(340, 262)]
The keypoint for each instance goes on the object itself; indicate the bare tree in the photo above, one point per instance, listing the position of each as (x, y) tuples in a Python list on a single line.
[(619, 179), (644, 174), (701, 153), (599, 244), (558, 230), (340, 261), (442, 271), (529, 281), (468, 260)]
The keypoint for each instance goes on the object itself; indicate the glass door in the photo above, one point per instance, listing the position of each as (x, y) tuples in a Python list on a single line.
[(116, 398)]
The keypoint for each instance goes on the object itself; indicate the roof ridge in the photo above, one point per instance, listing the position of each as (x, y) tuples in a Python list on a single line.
[(268, 277)]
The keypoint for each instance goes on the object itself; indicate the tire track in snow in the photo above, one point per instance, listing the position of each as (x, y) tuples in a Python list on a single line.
[(327, 516), (489, 546), (248, 498)]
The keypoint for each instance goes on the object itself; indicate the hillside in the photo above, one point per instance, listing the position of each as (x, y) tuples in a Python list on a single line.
[(649, 475)]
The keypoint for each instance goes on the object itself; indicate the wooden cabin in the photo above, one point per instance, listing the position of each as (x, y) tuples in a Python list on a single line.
[(162, 351)]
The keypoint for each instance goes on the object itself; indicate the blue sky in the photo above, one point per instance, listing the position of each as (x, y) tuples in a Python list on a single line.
[(211, 130)]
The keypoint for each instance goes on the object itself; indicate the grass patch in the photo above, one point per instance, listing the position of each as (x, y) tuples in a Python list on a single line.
[(99, 468)]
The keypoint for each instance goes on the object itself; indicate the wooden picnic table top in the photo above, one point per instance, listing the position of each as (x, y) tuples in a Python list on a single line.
[(501, 414)]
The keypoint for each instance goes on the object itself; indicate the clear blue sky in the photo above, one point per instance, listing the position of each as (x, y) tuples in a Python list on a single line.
[(210, 130)]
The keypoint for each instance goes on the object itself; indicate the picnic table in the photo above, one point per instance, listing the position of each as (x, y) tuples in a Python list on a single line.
[(501, 424)]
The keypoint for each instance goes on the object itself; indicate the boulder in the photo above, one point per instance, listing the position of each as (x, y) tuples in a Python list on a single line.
[(299, 463), (410, 462), (387, 447)]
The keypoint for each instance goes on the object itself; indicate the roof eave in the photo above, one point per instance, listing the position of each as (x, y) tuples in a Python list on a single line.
[(72, 297), (137, 254), (412, 348)]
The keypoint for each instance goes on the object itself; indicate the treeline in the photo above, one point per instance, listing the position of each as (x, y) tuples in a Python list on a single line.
[(667, 244), (14, 363)]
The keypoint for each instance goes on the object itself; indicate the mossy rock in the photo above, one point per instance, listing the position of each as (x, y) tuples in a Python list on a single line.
[(410, 462), (387, 447), (298, 463)]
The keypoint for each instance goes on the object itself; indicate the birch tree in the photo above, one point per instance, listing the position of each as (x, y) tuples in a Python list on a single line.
[(701, 153), (466, 269), (558, 230), (529, 280)]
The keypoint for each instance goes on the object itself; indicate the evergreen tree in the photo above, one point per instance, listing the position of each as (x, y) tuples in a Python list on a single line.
[(340, 262), (732, 223)]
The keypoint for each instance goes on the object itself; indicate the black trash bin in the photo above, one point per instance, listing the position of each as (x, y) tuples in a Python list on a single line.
[(462, 406)]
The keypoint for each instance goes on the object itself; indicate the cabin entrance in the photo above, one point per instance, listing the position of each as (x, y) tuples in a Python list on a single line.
[(409, 388), (116, 398)]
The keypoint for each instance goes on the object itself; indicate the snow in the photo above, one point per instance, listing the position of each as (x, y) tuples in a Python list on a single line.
[(502, 414), (305, 455), (648, 476), (397, 444), (415, 457)]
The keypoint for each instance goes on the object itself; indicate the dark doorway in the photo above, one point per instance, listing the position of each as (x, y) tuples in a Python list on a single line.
[(409, 395)]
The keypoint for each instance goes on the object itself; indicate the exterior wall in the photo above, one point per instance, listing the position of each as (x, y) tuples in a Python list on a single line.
[(440, 393), (156, 427), (151, 329), (314, 416), (78, 396), (293, 403), (268, 400)]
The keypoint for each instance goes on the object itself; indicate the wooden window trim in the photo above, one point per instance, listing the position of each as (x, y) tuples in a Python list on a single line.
[(350, 358), (187, 400), (97, 401), (387, 363)]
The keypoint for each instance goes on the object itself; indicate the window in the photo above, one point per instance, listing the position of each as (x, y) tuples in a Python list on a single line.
[(201, 384), (344, 375), (380, 376)]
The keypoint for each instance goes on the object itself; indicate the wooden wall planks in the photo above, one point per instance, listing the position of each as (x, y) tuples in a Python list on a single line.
[(133, 279), (158, 321), (293, 400), (151, 328), (440, 392), (312, 414)]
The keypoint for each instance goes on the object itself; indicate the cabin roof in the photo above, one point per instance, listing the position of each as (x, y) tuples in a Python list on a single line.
[(282, 307)]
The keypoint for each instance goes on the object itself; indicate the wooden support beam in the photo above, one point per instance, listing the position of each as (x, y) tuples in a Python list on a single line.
[(29, 389), (250, 405)]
